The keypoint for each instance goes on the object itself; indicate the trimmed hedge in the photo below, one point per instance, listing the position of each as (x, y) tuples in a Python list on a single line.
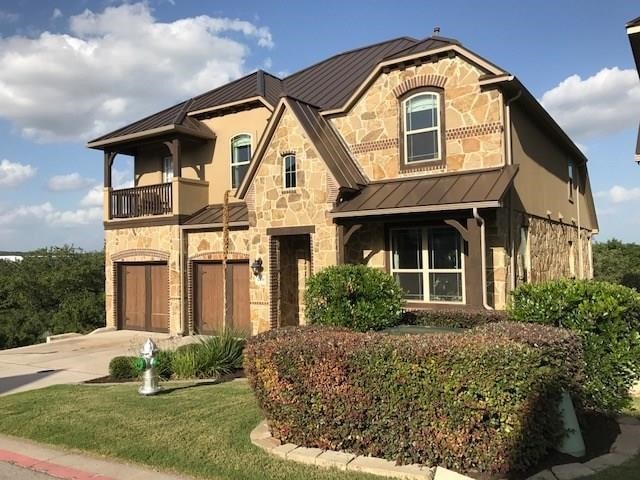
[(354, 296), (453, 318), (606, 316), (474, 401), (123, 368)]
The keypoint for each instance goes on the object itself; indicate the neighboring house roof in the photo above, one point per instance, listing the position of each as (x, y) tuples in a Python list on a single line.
[(633, 30), (212, 215), (450, 191), (324, 138)]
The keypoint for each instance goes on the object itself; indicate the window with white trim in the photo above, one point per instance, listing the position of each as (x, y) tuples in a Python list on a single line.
[(428, 264), (167, 169), (422, 129), (289, 171), (571, 182), (240, 158)]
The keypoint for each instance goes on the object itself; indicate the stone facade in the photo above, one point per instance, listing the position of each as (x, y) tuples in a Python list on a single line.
[(472, 120), (307, 205)]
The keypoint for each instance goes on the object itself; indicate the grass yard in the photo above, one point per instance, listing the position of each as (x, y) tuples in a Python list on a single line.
[(196, 430)]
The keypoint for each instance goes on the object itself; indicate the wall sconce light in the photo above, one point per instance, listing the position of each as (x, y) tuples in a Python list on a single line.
[(256, 267)]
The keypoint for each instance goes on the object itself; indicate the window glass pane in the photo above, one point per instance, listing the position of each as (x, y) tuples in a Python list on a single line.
[(237, 174), (444, 245), (411, 283), (407, 249), (422, 146), (167, 169), (422, 112), (241, 154), (289, 164), (445, 287)]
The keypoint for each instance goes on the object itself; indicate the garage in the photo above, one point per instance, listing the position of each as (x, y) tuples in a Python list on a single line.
[(210, 290), (143, 297)]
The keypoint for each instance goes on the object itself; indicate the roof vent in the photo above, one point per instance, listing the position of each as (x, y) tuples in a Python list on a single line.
[(436, 31)]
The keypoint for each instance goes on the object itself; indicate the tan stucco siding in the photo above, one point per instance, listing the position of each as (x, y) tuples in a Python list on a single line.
[(472, 121), (541, 183), (307, 205)]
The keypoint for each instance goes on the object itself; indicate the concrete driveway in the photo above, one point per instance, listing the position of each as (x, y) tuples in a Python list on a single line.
[(71, 360)]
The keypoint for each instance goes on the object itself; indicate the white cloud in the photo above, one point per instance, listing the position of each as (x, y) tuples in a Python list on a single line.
[(13, 173), (93, 198), (116, 66), (32, 214), (72, 181), (604, 103), (619, 194), (57, 13)]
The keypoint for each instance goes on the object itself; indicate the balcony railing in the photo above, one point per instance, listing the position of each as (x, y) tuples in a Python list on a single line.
[(141, 201)]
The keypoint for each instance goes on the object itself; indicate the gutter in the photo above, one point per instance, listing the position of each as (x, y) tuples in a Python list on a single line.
[(508, 145), (483, 258)]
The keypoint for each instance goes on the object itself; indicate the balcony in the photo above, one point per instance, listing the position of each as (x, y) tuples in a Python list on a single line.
[(181, 197), (142, 201)]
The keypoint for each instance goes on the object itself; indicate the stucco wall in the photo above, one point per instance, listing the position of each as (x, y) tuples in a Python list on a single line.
[(473, 121)]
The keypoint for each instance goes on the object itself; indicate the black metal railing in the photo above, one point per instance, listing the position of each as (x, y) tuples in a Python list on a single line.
[(141, 201)]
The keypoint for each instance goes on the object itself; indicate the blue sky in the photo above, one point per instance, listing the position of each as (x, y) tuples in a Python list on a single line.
[(70, 70)]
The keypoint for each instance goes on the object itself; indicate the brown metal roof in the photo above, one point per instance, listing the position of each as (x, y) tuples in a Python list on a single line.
[(430, 43), (212, 215), (329, 145), (328, 84), (450, 191)]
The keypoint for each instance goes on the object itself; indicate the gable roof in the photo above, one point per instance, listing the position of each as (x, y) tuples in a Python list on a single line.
[(324, 138), (448, 191)]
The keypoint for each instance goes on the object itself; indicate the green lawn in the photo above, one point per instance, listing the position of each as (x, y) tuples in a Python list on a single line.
[(197, 430), (201, 431)]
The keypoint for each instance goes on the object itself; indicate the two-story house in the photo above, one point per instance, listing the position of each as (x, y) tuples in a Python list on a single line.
[(418, 157)]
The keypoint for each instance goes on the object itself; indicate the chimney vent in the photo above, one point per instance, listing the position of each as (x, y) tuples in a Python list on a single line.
[(436, 31)]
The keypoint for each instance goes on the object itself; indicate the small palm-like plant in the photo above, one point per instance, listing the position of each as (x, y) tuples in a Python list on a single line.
[(220, 354)]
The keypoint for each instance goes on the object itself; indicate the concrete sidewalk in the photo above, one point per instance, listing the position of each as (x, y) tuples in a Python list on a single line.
[(58, 463)]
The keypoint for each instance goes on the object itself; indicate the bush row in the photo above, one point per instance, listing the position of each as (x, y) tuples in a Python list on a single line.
[(453, 317), (484, 400), (210, 357), (607, 318)]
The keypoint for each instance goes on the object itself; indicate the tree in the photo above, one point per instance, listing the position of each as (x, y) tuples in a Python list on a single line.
[(617, 262)]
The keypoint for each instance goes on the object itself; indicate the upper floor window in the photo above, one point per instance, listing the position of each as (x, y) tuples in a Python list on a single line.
[(571, 182), (290, 171), (422, 128), (167, 169), (240, 158)]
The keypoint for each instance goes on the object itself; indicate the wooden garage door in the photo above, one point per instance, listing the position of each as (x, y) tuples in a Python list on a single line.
[(144, 297), (209, 305)]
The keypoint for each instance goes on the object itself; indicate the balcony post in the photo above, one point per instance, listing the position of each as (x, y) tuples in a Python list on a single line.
[(108, 164), (176, 157)]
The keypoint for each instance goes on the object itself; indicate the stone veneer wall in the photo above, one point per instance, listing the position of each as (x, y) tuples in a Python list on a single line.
[(367, 246), (473, 120), (307, 205), (550, 250), (143, 244)]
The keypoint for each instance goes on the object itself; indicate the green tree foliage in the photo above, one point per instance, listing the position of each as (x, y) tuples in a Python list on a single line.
[(617, 262), (51, 291)]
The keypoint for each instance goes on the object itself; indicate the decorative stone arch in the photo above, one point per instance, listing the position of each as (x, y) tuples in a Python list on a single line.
[(419, 81), (140, 255), (204, 256)]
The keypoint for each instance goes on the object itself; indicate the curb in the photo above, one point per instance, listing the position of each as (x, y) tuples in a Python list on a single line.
[(62, 336), (52, 469), (626, 446)]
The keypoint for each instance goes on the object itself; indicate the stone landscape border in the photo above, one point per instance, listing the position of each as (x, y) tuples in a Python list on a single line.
[(626, 446)]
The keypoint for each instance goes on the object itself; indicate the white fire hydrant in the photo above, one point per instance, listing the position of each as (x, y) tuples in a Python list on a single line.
[(150, 376)]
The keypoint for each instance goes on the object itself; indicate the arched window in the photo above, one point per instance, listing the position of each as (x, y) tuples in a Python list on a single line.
[(422, 128), (240, 158), (289, 171)]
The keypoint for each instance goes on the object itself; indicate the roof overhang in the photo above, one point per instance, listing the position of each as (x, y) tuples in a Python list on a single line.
[(418, 209), (231, 105), (154, 132), (483, 63)]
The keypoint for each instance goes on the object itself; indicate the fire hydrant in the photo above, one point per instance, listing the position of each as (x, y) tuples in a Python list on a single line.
[(150, 375)]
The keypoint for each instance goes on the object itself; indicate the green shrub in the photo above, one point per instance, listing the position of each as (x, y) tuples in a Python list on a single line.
[(606, 316), (164, 359), (474, 401), (211, 357), (354, 296), (123, 368), (453, 318)]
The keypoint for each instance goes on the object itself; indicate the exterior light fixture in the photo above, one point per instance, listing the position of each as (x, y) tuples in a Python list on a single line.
[(256, 267)]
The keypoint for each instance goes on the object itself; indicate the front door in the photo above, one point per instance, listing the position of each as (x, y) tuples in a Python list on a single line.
[(143, 297), (295, 266)]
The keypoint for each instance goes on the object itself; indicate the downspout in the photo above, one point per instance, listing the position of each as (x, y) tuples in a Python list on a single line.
[(483, 258), (509, 161), (181, 269), (580, 267)]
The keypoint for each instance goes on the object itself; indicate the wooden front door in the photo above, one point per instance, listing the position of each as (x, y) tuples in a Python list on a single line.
[(144, 297), (209, 297)]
